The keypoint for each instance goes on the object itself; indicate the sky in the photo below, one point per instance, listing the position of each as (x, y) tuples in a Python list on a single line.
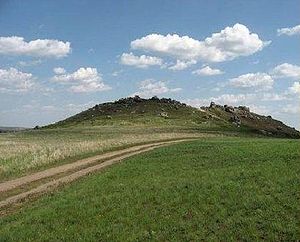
[(58, 58)]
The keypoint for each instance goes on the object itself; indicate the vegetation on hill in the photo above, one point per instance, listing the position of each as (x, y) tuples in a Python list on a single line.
[(230, 189), (167, 112), (123, 123)]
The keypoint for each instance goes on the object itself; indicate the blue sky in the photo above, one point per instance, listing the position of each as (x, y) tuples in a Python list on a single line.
[(60, 57)]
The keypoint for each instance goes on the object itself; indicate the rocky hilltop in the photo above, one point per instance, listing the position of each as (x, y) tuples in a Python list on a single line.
[(165, 111), (242, 116)]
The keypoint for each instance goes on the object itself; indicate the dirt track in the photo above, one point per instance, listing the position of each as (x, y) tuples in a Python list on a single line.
[(80, 168)]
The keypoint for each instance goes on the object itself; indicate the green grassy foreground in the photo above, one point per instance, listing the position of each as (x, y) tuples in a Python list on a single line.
[(244, 189)]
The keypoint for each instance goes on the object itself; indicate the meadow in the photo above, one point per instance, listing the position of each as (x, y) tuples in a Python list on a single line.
[(212, 189), (28, 151)]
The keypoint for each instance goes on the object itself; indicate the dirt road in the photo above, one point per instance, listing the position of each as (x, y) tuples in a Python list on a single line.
[(80, 168)]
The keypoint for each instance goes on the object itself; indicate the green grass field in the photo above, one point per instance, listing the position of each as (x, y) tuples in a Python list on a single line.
[(214, 189), (28, 151)]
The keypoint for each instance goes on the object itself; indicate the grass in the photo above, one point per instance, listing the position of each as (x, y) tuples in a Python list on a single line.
[(227, 189), (24, 152), (167, 112)]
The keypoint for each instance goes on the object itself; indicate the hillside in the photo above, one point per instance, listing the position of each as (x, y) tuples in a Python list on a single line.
[(168, 112)]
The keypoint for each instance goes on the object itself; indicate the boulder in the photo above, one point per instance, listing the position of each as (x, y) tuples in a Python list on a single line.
[(236, 120), (137, 99), (244, 108), (155, 98), (212, 105), (229, 109), (164, 115)]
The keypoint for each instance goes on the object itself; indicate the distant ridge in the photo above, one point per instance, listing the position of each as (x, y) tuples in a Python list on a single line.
[(4, 129), (168, 112)]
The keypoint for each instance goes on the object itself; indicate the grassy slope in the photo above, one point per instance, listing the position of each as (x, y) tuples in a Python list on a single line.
[(146, 113), (213, 189), (167, 112)]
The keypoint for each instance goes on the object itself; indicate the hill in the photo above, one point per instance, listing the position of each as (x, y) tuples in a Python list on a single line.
[(168, 112)]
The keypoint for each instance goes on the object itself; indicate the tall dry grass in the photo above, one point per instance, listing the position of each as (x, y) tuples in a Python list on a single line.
[(26, 151)]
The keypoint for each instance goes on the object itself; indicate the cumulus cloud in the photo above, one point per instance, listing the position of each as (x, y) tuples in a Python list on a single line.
[(274, 97), (260, 81), (231, 99), (286, 70), (181, 65), (83, 80), (228, 44), (234, 100), (59, 70), (292, 109), (207, 71), (247, 99), (116, 73), (295, 88), (236, 41), (62, 108), (289, 31), (142, 61), (41, 47), (13, 80), (150, 87), (260, 109), (29, 63)]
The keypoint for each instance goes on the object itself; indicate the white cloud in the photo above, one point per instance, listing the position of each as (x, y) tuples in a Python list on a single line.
[(239, 99), (289, 31), (229, 99), (292, 109), (83, 80), (48, 108), (30, 63), (13, 80), (150, 87), (236, 41), (273, 97), (181, 47), (295, 88), (260, 109), (181, 65), (142, 61), (286, 70), (59, 70), (52, 108), (71, 107), (233, 98), (229, 44), (261, 81), (216, 89), (207, 71), (116, 73), (41, 47)]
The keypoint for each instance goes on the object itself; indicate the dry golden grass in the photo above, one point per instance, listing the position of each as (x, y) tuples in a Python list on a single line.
[(26, 151)]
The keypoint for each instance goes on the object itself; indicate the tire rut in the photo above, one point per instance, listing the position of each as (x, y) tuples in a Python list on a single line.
[(105, 159)]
